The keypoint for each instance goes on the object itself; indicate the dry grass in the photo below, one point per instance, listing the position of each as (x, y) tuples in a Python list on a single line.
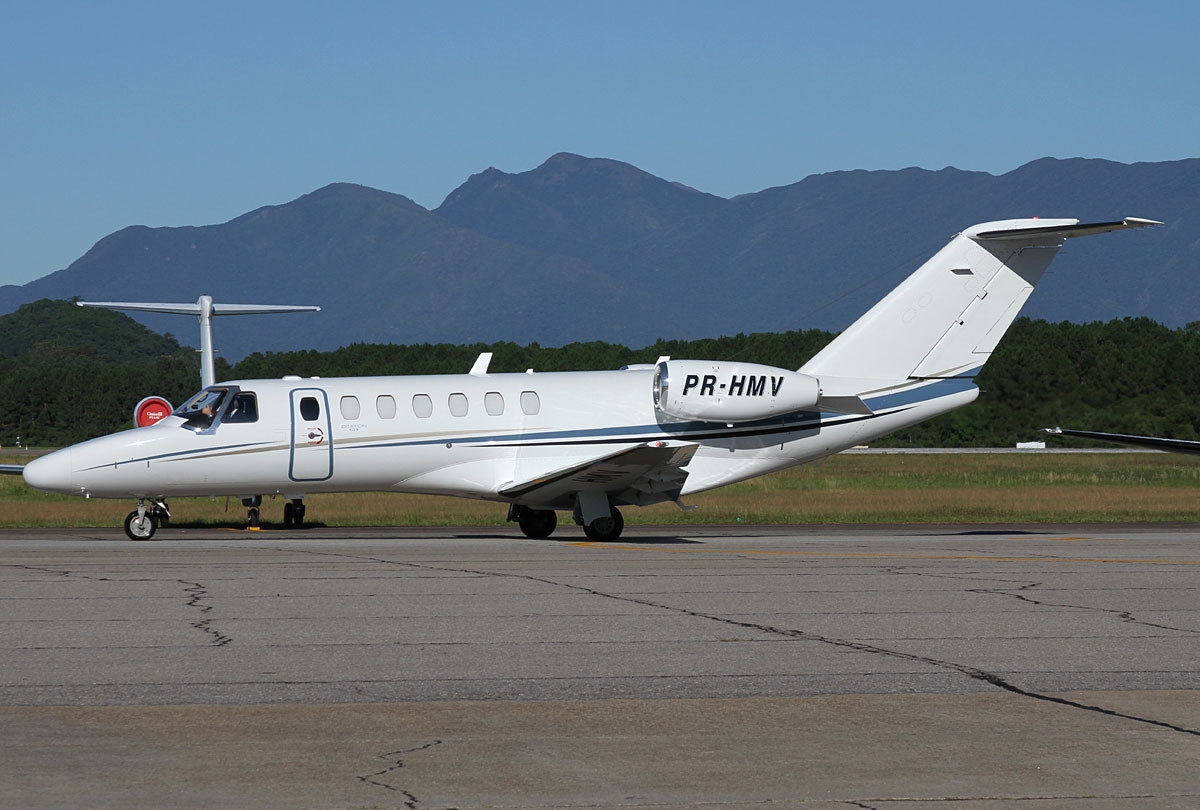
[(854, 488)]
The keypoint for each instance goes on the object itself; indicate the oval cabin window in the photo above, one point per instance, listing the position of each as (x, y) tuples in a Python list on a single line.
[(385, 406)]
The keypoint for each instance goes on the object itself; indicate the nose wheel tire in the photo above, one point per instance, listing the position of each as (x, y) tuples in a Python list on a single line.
[(142, 528)]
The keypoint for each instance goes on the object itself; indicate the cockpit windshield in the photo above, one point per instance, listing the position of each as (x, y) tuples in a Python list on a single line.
[(214, 406)]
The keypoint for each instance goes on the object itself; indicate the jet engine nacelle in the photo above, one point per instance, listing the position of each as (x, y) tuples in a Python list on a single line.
[(730, 392)]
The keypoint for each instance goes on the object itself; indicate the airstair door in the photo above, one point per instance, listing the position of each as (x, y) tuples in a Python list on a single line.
[(312, 437)]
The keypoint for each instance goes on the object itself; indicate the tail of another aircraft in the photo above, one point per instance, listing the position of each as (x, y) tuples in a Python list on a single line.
[(946, 319)]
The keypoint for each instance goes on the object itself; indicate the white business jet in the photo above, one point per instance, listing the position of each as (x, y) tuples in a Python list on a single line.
[(583, 442)]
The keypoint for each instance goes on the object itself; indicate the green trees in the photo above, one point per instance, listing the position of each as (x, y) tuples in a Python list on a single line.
[(67, 374)]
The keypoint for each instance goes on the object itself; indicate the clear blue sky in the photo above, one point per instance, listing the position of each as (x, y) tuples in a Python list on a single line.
[(153, 113)]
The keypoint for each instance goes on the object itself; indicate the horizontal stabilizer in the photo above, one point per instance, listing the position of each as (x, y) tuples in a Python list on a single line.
[(11, 469), (946, 319), (1152, 442), (197, 308), (1065, 228)]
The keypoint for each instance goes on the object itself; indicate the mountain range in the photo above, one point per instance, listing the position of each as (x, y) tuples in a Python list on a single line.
[(583, 249)]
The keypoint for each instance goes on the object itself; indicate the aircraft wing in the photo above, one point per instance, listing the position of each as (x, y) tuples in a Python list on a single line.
[(11, 469), (1154, 442), (642, 474)]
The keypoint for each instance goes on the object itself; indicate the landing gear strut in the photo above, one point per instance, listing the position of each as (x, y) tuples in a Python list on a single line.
[(141, 523)]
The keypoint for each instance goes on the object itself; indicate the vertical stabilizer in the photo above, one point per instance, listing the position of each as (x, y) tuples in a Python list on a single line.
[(946, 319)]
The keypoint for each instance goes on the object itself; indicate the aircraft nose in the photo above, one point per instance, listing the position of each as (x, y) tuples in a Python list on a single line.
[(51, 472)]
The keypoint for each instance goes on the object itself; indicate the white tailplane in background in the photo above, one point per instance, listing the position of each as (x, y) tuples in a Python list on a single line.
[(1150, 442), (205, 310), (582, 442)]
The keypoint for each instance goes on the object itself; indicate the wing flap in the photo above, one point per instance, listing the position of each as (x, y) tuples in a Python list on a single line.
[(641, 474)]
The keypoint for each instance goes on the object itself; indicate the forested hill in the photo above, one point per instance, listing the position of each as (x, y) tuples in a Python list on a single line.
[(67, 374), (582, 249)]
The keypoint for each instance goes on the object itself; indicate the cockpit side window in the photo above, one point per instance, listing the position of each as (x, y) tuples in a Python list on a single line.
[(200, 410), (243, 408)]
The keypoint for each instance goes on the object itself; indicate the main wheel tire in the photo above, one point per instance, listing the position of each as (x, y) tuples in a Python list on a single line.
[(538, 523), (289, 515), (602, 530), (140, 529), (252, 517)]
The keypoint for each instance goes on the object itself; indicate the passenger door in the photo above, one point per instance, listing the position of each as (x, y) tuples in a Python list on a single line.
[(312, 436)]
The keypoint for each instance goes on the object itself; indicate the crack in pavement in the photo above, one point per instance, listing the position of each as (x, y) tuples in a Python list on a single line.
[(1016, 590), (196, 592), (397, 762), (975, 673), (1123, 615)]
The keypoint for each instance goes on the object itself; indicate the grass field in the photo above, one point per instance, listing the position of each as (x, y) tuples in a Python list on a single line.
[(848, 488)]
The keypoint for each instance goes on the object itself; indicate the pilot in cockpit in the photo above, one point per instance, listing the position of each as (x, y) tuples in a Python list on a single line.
[(199, 412)]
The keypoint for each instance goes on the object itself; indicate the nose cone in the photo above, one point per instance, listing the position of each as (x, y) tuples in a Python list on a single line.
[(52, 473)]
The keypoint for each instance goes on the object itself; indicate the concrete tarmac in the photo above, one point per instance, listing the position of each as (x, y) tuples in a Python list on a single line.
[(896, 667)]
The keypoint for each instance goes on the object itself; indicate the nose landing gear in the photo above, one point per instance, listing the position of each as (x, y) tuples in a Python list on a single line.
[(141, 523), (252, 517)]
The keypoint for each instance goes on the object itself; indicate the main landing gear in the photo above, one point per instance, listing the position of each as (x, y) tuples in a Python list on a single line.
[(535, 523), (604, 529), (293, 514), (141, 523), (600, 520)]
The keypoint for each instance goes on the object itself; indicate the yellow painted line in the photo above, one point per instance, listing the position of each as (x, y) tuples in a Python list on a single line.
[(880, 555)]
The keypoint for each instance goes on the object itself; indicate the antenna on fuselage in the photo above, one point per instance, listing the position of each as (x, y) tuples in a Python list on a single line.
[(205, 310)]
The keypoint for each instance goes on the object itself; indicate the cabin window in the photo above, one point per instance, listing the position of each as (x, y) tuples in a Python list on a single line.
[(531, 404), (310, 409), (244, 408), (458, 404), (385, 406), (493, 403), (350, 408), (422, 406)]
